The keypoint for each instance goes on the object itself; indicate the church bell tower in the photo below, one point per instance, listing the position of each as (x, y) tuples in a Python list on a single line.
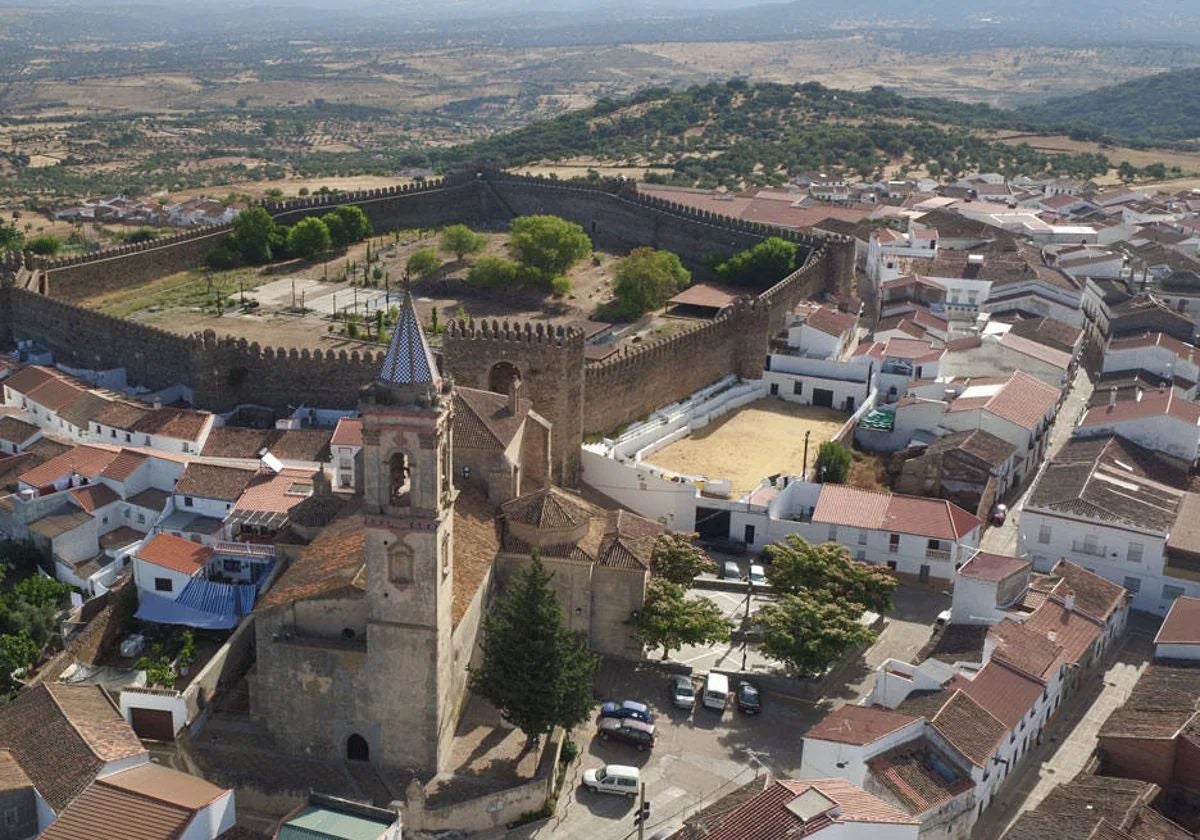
[(408, 517)]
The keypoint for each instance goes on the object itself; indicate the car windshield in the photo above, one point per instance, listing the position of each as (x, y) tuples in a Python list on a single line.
[(684, 689), (749, 691), (601, 775)]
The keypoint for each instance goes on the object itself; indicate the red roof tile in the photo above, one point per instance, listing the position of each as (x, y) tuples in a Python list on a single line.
[(992, 567), (94, 496), (1164, 402), (1004, 691), (124, 465), (175, 553), (55, 394), (276, 493), (969, 728), (1070, 629), (1023, 400), (1025, 649), (86, 461), (1182, 625), (841, 504), (859, 725), (1158, 339), (707, 295), (348, 432)]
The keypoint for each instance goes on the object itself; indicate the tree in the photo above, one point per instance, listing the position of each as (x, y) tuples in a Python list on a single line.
[(423, 262), (1127, 172), (11, 237), (646, 279), (40, 591), (677, 559), (460, 240), (308, 237), (46, 245), (762, 266), (829, 572), (17, 651), (534, 671), (808, 633), (668, 619), (833, 463), (254, 233), (547, 246), (347, 224), (490, 272)]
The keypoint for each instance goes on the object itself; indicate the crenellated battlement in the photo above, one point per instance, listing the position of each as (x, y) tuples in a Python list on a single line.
[(535, 333)]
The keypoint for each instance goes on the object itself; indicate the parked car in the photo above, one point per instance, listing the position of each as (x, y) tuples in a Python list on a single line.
[(628, 731), (613, 778), (749, 701), (758, 576), (999, 513), (683, 693), (627, 709), (730, 571)]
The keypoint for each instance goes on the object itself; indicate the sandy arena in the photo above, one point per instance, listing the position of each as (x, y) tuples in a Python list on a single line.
[(747, 445)]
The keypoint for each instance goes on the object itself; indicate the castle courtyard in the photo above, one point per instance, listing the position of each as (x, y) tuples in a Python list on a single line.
[(745, 446)]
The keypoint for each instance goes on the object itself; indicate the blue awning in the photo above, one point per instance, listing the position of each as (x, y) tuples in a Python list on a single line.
[(160, 610)]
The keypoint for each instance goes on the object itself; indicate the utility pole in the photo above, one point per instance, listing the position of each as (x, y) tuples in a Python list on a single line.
[(746, 621), (804, 472), (643, 813)]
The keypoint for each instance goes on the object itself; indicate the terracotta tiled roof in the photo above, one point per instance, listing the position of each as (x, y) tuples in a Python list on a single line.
[(175, 553), (628, 540), (859, 725), (1162, 403), (993, 567), (1029, 652), (707, 295), (1004, 691), (212, 482), (1092, 807), (30, 377), (150, 802), (55, 525), (62, 735), (1182, 350), (56, 394), (969, 728), (1182, 625), (17, 431), (1023, 400), (177, 423), (348, 432), (86, 461), (769, 815), (1049, 331), (83, 409), (548, 507), (482, 419), (12, 777), (916, 772), (94, 496), (830, 321), (285, 444), (276, 493), (1073, 631), (1094, 596), (122, 414), (1036, 350), (331, 563), (124, 465), (1161, 704), (841, 504)]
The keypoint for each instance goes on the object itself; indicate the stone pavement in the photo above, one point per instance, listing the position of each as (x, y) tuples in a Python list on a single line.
[(1071, 738), (1003, 539)]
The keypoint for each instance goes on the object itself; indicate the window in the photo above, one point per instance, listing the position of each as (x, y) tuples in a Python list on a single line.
[(893, 543), (128, 438), (862, 536), (1170, 593), (141, 518), (1134, 555), (188, 501), (97, 428), (832, 533), (1044, 534), (1134, 585), (797, 387), (163, 585), (10, 817), (891, 564), (232, 565)]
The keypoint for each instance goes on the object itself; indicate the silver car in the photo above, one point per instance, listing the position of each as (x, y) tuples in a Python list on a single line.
[(683, 693)]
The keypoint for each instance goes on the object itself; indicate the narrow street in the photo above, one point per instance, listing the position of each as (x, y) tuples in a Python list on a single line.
[(1071, 738), (1003, 539)]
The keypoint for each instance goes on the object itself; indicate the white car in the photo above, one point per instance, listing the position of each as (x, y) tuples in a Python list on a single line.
[(758, 575), (613, 778)]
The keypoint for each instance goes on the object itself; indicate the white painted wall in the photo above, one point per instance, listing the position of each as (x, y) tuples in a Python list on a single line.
[(212, 821), (1177, 652), (131, 699), (144, 575), (820, 759)]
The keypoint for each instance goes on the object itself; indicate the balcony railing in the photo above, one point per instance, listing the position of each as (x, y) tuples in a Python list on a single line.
[(939, 554), (1089, 549)]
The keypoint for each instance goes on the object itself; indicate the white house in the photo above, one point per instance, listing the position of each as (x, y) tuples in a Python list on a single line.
[(886, 247), (1156, 419), (165, 564), (1158, 353), (898, 363), (1099, 505), (999, 352), (819, 332), (987, 586), (345, 448), (1179, 636), (17, 435)]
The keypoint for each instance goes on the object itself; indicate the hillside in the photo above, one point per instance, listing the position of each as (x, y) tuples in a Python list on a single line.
[(1158, 110), (736, 133)]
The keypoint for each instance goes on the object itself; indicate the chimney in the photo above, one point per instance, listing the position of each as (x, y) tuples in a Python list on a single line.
[(514, 395), (1069, 602), (1138, 393), (1112, 396), (157, 403)]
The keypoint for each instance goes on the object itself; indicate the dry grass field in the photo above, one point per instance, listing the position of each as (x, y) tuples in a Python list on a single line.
[(747, 445)]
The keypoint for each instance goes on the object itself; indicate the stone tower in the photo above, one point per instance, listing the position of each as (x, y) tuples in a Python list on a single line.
[(408, 515)]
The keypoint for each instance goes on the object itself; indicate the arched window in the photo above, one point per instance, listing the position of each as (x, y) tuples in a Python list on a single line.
[(501, 377), (357, 748), (401, 484)]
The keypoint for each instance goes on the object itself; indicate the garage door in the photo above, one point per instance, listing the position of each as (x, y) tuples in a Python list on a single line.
[(822, 397), (152, 724)]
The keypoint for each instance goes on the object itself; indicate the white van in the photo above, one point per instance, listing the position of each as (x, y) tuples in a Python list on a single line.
[(716, 690), (613, 778)]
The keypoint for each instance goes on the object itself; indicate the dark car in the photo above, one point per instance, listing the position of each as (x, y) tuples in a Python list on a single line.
[(627, 709), (628, 731), (749, 701), (999, 513)]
